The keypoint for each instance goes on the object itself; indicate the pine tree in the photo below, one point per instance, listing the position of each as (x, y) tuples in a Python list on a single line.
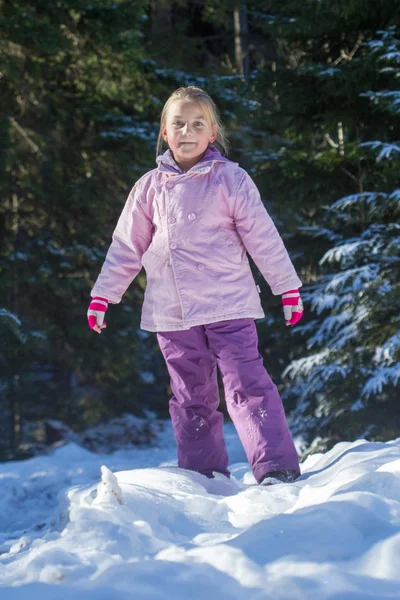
[(349, 381), (77, 130), (15, 365), (82, 86)]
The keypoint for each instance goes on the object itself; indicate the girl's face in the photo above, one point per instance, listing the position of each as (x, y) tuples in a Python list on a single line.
[(187, 132)]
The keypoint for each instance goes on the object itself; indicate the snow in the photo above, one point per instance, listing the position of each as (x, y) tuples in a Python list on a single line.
[(329, 72), (386, 353), (356, 199), (321, 302), (10, 320), (357, 277), (6, 314), (385, 150), (131, 524), (392, 95), (381, 377)]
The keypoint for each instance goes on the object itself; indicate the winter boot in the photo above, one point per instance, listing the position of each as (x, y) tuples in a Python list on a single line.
[(283, 476)]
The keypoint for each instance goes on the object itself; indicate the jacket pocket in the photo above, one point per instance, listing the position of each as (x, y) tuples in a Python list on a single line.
[(158, 247), (232, 241)]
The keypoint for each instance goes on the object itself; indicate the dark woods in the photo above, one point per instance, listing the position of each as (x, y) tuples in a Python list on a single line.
[(309, 94)]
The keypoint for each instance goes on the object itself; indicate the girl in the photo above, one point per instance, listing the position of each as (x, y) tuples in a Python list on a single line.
[(189, 223)]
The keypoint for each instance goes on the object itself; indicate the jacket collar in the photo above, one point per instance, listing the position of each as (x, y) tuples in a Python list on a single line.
[(166, 162)]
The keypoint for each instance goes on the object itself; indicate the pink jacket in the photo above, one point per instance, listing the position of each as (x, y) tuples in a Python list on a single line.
[(190, 231)]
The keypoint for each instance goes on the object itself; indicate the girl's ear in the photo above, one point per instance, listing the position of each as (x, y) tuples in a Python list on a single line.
[(214, 135), (164, 134)]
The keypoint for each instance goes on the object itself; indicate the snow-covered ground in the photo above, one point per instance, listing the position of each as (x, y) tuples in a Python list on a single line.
[(139, 527)]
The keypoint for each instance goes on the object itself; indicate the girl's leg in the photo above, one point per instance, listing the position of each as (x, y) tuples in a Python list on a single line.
[(198, 426), (252, 398)]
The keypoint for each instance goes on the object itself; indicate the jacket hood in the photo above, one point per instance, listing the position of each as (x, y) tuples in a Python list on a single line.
[(212, 155)]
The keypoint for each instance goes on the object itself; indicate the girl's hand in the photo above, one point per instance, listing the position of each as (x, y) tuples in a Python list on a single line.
[(292, 307), (95, 314)]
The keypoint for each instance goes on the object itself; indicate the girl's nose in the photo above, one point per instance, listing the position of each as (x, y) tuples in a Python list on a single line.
[(186, 129)]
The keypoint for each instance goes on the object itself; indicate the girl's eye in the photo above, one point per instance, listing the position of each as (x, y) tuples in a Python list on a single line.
[(177, 123), (199, 124)]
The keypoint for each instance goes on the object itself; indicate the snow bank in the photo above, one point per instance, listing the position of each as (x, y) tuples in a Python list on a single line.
[(163, 532)]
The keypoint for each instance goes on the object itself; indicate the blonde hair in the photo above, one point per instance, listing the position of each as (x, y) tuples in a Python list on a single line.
[(196, 94)]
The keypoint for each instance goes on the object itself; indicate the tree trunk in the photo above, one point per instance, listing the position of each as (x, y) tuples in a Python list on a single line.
[(15, 416), (10, 430), (161, 18), (241, 31)]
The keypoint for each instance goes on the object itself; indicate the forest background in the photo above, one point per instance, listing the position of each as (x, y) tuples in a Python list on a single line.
[(308, 91)]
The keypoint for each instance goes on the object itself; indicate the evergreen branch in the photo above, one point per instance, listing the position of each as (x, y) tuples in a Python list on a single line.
[(346, 172), (330, 141), (349, 55), (26, 137)]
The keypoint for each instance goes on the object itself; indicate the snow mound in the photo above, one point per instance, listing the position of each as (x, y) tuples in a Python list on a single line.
[(164, 532)]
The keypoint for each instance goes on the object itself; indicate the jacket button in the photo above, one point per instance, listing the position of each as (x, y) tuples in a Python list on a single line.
[(170, 184), (173, 246), (171, 220), (200, 267), (192, 216)]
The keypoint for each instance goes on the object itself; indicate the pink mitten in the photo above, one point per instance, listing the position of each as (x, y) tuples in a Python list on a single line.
[(292, 307), (95, 314)]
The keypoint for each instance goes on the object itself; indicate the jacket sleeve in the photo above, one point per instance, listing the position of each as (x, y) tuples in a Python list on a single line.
[(131, 238), (261, 238)]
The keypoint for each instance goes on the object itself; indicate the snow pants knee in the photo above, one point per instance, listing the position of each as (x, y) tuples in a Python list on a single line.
[(192, 357)]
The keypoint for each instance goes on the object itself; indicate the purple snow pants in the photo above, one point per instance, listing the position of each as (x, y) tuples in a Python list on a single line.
[(252, 399)]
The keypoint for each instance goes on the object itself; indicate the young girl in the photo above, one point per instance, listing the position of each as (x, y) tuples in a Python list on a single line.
[(189, 223)]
